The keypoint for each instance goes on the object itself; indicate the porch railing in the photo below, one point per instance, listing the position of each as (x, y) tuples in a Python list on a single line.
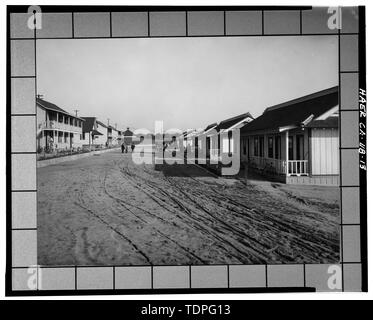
[(55, 125), (269, 165), (279, 166), (298, 167)]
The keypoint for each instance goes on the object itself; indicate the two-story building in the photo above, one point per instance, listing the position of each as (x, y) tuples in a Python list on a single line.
[(102, 140), (56, 128), (119, 137), (114, 136), (91, 135)]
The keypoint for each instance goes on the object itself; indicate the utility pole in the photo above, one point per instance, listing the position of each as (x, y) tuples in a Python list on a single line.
[(108, 121), (76, 112)]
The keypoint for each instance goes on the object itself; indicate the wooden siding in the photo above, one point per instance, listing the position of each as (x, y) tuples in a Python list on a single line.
[(327, 180), (325, 151)]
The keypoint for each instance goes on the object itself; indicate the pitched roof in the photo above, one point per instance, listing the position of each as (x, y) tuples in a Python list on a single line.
[(210, 126), (128, 133), (101, 124), (226, 124), (294, 112), (88, 124), (331, 122), (96, 133), (51, 106)]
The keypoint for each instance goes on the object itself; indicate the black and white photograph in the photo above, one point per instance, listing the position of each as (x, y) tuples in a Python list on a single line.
[(188, 151)]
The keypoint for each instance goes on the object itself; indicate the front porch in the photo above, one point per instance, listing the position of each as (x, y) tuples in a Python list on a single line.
[(280, 167), (284, 153), (293, 172)]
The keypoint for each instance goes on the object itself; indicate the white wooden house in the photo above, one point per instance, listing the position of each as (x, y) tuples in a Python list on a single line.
[(103, 139), (114, 136), (91, 135), (296, 141), (56, 128), (219, 139)]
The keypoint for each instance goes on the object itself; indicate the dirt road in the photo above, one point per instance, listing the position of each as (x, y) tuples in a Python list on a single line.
[(105, 210)]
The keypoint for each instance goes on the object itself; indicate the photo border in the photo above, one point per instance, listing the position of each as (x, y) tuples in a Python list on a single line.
[(220, 277)]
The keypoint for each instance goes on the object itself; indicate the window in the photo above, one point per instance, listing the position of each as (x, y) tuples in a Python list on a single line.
[(75, 123), (261, 147), (60, 118), (256, 146), (60, 136), (65, 137), (291, 148), (230, 143), (278, 147), (66, 120), (244, 143), (270, 147), (300, 147)]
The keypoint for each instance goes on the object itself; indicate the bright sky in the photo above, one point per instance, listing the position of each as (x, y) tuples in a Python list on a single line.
[(186, 82)]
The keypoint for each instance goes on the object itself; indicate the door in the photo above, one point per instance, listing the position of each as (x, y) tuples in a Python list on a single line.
[(300, 154), (208, 147), (291, 148), (300, 147)]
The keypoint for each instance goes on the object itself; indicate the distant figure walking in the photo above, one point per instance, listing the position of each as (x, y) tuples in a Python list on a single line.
[(126, 149), (122, 147), (132, 147)]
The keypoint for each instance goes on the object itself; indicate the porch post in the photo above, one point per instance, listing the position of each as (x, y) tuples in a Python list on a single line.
[(287, 151)]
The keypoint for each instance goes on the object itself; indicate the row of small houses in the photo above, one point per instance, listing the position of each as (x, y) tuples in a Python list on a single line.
[(293, 142), (58, 130)]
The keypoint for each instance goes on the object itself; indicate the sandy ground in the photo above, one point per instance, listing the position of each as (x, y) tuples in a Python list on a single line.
[(105, 210)]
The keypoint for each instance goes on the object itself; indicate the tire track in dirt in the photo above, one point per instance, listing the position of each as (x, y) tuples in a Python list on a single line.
[(228, 227), (198, 224), (247, 248), (101, 184), (124, 205), (297, 235), (138, 201), (80, 204), (300, 235), (82, 253)]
